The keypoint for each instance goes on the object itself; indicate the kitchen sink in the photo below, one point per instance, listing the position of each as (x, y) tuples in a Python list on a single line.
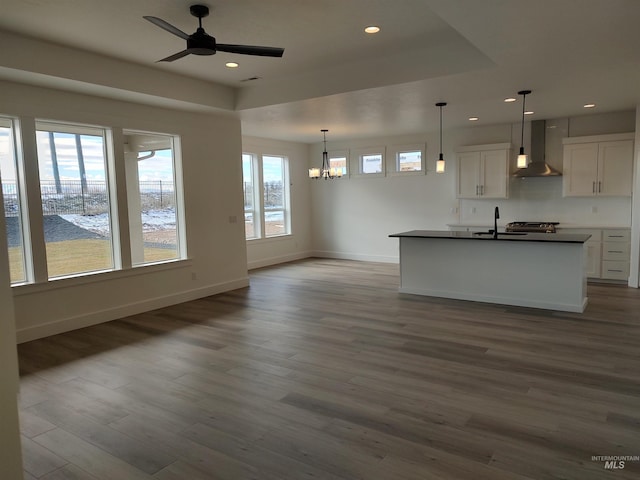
[(500, 234)]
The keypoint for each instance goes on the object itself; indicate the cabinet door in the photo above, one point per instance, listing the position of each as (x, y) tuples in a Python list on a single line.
[(468, 168), (493, 173), (615, 168), (594, 256), (580, 170)]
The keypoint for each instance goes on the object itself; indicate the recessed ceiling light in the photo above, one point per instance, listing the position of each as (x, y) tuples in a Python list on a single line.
[(473, 119), (509, 99), (232, 65), (529, 112), (372, 29), (589, 105)]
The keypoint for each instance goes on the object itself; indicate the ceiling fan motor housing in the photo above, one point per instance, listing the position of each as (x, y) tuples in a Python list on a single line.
[(201, 44)]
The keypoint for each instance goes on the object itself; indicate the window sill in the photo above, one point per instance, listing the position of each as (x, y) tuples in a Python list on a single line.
[(96, 277)]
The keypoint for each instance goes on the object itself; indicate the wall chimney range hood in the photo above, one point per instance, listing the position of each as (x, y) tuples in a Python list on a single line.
[(538, 167)]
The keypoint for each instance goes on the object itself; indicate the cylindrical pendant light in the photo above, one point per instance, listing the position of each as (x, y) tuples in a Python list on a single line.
[(523, 160), (440, 165)]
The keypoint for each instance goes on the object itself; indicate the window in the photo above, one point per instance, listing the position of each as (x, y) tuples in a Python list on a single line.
[(266, 215), (409, 161), (12, 201), (251, 227), (368, 162), (274, 175), (338, 160), (75, 198), (406, 160), (75, 176), (371, 163), (154, 216)]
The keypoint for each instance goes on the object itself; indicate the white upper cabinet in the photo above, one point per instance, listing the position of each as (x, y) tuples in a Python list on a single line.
[(598, 166), (483, 171)]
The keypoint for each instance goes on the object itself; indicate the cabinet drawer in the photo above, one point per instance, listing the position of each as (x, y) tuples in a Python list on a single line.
[(622, 235), (616, 251), (615, 270)]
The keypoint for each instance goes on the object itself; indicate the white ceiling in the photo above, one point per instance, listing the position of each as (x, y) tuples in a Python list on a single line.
[(469, 53)]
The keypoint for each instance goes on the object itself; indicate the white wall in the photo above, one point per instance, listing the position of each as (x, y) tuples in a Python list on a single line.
[(269, 251), (211, 152), (353, 217)]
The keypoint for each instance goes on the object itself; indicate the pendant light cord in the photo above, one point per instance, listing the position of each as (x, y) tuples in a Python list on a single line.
[(524, 98), (440, 130)]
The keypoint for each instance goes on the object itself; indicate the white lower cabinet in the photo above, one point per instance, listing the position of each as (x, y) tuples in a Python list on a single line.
[(608, 252)]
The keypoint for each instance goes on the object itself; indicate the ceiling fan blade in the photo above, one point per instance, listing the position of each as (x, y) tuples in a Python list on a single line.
[(175, 56), (167, 26), (250, 50)]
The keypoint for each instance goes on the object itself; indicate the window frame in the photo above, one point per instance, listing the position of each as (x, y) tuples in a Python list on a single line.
[(70, 128), (286, 204), (393, 161), (37, 277), (357, 158), (260, 211), (255, 210), (13, 124), (178, 193), (333, 154)]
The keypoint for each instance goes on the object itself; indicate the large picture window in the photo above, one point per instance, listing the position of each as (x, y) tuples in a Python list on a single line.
[(266, 215), (11, 193), (151, 193), (75, 198), (74, 179)]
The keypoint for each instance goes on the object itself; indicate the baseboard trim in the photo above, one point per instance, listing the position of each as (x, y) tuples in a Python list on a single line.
[(73, 323), (265, 262), (356, 256)]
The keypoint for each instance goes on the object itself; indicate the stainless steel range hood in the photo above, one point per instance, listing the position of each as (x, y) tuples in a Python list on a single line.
[(538, 167)]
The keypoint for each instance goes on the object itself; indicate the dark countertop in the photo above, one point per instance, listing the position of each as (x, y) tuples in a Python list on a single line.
[(502, 236)]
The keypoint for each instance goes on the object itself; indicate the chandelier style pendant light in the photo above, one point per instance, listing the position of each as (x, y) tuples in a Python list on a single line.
[(523, 160), (326, 171), (440, 163)]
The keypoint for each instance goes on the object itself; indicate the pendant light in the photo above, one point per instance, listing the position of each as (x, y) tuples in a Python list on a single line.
[(523, 160), (326, 171), (440, 163)]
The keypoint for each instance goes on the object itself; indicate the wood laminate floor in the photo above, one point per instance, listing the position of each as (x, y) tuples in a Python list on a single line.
[(321, 370)]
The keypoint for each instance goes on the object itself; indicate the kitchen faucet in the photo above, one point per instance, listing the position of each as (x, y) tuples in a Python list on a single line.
[(496, 216)]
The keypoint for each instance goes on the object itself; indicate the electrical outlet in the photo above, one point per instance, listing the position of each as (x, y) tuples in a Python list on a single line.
[(194, 276), (594, 209), (472, 210), (233, 219)]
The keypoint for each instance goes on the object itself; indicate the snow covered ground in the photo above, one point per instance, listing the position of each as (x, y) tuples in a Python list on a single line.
[(151, 221)]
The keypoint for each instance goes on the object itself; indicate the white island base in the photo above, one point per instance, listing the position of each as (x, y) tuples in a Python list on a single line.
[(539, 274)]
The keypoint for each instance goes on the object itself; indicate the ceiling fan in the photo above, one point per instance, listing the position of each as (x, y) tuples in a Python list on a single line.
[(200, 43)]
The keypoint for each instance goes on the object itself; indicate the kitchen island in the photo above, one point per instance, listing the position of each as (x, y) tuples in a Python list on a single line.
[(540, 270)]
